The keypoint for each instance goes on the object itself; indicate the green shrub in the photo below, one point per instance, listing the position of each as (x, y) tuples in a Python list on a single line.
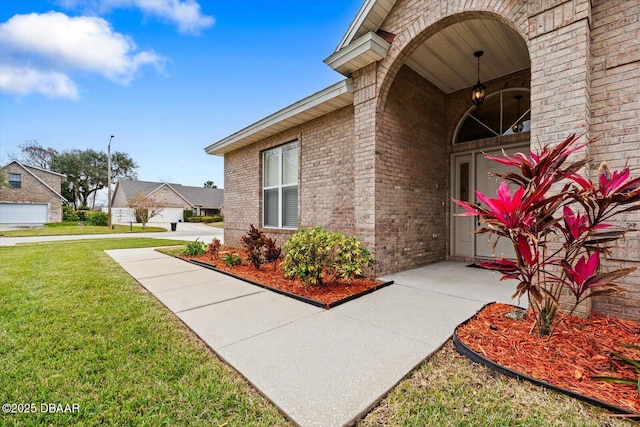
[(186, 214), (82, 213), (207, 219), (231, 260), (315, 254), (68, 214), (97, 218), (195, 248)]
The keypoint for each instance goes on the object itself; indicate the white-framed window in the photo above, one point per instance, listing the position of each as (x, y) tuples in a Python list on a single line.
[(502, 113), (15, 180), (280, 186)]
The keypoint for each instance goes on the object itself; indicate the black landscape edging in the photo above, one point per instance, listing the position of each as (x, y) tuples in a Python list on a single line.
[(478, 358), (311, 301)]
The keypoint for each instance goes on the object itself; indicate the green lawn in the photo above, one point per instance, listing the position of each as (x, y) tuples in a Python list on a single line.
[(76, 329), (68, 229)]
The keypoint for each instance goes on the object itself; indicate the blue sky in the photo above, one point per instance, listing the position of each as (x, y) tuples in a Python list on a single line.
[(166, 77)]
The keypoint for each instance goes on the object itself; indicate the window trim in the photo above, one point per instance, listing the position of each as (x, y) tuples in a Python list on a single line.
[(470, 110), (15, 183), (280, 187)]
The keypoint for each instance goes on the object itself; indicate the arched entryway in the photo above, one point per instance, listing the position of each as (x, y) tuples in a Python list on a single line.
[(425, 109)]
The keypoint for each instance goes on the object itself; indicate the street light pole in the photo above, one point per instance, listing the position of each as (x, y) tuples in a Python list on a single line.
[(109, 183)]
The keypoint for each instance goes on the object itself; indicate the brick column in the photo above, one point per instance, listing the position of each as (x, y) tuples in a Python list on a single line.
[(364, 101), (560, 80), (560, 74)]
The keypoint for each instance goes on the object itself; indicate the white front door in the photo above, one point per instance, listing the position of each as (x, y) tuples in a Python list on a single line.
[(488, 184), (471, 172)]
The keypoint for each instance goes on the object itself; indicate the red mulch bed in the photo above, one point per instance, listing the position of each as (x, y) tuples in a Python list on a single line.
[(578, 349), (327, 294)]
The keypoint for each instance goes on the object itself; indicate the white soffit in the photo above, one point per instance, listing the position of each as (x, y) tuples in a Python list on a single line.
[(369, 18), (446, 59), (327, 100), (367, 49)]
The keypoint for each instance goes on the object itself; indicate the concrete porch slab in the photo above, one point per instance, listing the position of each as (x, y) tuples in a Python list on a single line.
[(420, 315), (458, 280)]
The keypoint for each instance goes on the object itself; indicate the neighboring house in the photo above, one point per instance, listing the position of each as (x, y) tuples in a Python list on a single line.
[(382, 153), (33, 195), (174, 199)]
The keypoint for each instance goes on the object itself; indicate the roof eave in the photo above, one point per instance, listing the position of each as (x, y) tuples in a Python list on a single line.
[(325, 101), (371, 15), (367, 49)]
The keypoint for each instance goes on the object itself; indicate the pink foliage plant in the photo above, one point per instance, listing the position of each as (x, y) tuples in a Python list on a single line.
[(556, 220)]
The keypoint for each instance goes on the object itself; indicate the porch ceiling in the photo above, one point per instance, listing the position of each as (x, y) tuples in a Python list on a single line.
[(446, 59)]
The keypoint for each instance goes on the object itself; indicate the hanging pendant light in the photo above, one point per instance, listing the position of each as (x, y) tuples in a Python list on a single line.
[(518, 126), (478, 92)]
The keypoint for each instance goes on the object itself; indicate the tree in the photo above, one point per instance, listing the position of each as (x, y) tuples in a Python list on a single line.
[(86, 172), (210, 184), (144, 208), (33, 154)]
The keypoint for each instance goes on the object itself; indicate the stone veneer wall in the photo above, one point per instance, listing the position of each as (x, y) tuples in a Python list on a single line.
[(325, 183)]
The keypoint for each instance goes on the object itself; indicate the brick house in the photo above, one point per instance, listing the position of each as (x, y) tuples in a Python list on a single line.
[(382, 153), (173, 198), (32, 196)]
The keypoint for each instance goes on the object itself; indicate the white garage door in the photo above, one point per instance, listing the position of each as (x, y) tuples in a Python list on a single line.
[(23, 213), (168, 215)]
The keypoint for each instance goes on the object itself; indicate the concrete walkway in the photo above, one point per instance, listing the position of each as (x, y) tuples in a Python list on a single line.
[(184, 231), (322, 368)]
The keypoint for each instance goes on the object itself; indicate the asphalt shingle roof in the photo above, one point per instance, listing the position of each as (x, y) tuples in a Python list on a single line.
[(212, 198)]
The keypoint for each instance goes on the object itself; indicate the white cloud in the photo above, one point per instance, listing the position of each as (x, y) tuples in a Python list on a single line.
[(48, 46), (186, 14), (23, 81)]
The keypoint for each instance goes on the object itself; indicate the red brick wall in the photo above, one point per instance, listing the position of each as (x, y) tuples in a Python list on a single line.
[(615, 123), (325, 186), (33, 191), (411, 175)]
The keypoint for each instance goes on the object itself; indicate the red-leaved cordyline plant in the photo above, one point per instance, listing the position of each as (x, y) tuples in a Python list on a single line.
[(556, 221)]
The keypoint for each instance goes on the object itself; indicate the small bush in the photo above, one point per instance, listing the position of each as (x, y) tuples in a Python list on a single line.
[(69, 214), (315, 254), (195, 248), (261, 249), (231, 260), (207, 219), (82, 213), (214, 248), (97, 218), (186, 214)]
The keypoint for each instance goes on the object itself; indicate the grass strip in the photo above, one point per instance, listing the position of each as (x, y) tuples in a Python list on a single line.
[(74, 229), (75, 329)]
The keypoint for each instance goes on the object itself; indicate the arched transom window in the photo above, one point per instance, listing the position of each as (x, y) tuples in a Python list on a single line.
[(502, 113)]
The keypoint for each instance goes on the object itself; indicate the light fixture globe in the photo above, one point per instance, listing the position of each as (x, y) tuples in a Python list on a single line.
[(479, 91)]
